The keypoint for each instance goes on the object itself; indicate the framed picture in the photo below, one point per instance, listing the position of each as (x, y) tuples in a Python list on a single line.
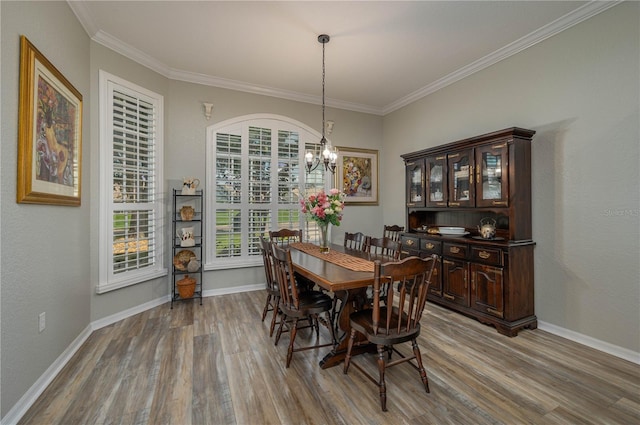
[(357, 175), (49, 133)]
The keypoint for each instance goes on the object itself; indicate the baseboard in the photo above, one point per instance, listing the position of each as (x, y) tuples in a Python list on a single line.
[(25, 402), (109, 320), (614, 350), (32, 394)]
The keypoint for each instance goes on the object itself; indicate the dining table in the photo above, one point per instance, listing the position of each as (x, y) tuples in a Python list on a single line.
[(347, 273)]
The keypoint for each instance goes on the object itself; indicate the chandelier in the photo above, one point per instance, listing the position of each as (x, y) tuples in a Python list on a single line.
[(326, 154)]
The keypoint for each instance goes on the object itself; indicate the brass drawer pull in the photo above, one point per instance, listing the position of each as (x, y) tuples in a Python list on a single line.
[(484, 255), (438, 158), (435, 291), (454, 155), (449, 297), (496, 312), (449, 262), (498, 146), (454, 204), (429, 245), (499, 202), (410, 242), (454, 250)]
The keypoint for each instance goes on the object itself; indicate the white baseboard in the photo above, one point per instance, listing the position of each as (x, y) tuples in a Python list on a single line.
[(39, 386), (32, 394), (109, 320), (614, 350)]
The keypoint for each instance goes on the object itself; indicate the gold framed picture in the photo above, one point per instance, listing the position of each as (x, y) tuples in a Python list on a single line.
[(357, 175), (49, 133)]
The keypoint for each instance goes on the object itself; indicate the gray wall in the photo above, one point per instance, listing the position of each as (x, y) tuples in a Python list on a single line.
[(580, 91), (45, 256)]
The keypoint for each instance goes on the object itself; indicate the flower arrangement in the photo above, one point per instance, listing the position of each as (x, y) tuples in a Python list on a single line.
[(324, 208)]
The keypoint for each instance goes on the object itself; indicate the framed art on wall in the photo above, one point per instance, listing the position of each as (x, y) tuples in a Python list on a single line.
[(357, 175), (49, 133)]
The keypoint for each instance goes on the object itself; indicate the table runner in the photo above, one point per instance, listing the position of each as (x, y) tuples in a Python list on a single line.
[(339, 258)]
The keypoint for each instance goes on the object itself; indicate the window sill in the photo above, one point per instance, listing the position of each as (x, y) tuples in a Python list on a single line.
[(132, 280)]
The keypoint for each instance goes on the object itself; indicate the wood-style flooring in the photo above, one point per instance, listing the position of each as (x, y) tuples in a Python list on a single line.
[(215, 364)]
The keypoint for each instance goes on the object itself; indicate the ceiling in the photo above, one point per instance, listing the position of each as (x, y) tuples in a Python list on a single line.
[(382, 54)]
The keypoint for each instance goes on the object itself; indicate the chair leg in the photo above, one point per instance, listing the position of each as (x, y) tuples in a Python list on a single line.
[(275, 315), (423, 372), (279, 333), (317, 322), (266, 307), (381, 383), (294, 330), (347, 358)]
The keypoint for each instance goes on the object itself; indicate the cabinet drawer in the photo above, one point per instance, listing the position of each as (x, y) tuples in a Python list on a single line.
[(486, 255), (430, 246), (410, 243), (455, 250)]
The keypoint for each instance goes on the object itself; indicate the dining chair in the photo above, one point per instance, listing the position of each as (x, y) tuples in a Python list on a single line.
[(355, 241), (397, 321), (273, 291), (385, 248), (285, 237), (298, 305), (393, 231)]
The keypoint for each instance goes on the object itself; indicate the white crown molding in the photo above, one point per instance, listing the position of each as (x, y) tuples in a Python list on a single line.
[(207, 80), (83, 15), (567, 21)]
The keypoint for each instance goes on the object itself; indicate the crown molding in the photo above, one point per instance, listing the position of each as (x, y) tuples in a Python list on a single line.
[(567, 21)]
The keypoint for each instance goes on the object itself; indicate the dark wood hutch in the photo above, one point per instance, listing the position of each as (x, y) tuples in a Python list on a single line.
[(459, 184)]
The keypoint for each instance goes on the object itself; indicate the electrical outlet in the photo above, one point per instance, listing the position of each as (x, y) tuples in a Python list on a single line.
[(42, 321)]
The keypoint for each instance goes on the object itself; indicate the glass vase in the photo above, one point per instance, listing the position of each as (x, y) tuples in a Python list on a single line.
[(324, 237)]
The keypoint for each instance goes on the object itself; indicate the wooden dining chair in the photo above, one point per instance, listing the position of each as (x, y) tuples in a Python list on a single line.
[(393, 232), (273, 291), (297, 305), (357, 241), (285, 237), (397, 321), (385, 248)]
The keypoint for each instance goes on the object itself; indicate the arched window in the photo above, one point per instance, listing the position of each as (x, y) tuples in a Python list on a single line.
[(254, 163)]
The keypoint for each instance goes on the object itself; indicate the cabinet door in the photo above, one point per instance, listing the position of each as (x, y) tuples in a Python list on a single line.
[(415, 183), (435, 286), (492, 181), (487, 289), (436, 185), (461, 188), (454, 281)]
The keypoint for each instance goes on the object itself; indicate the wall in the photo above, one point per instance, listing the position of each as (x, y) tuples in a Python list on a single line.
[(186, 151), (45, 260), (580, 91)]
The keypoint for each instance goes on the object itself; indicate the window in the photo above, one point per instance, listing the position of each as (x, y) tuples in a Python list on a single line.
[(131, 210), (254, 163)]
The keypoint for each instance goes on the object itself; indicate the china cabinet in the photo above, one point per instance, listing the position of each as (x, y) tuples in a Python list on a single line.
[(482, 178), (187, 245)]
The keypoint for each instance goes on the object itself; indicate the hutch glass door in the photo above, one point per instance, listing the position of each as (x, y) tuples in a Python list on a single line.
[(461, 189), (492, 188)]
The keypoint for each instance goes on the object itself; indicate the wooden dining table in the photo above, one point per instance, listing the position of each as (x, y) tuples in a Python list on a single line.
[(348, 286)]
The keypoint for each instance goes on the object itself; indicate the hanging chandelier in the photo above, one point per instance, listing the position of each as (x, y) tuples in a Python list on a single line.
[(326, 154)]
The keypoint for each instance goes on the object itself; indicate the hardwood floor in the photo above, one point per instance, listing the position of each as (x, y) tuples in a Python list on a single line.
[(215, 364)]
